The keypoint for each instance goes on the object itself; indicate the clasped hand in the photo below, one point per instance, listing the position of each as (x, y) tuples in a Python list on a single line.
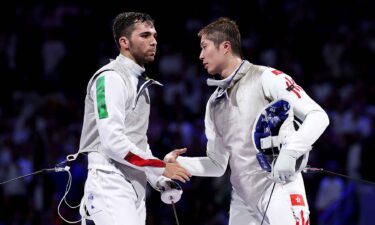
[(173, 169)]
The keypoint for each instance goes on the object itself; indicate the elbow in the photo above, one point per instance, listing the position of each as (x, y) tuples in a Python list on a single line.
[(218, 165), (320, 118), (325, 120), (107, 150), (220, 170)]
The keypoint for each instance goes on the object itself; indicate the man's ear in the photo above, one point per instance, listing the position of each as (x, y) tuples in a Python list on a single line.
[(124, 42), (226, 45)]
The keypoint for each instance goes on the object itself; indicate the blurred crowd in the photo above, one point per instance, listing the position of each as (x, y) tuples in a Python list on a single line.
[(49, 51)]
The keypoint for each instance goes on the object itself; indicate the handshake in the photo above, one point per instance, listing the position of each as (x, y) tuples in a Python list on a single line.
[(170, 190)]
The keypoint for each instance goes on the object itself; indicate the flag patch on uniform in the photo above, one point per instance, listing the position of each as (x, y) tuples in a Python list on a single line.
[(100, 98), (276, 72), (297, 199)]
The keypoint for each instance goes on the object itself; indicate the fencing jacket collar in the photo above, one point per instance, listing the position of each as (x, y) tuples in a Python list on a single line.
[(129, 64), (140, 73), (224, 84)]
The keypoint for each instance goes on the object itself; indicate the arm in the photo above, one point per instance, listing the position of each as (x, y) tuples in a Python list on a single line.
[(278, 85), (216, 161), (315, 120), (109, 95)]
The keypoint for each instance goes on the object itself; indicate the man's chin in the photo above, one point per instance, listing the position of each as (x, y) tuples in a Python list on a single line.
[(150, 59), (211, 73)]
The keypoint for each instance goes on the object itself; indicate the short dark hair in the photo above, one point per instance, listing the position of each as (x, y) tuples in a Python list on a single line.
[(223, 29), (123, 24)]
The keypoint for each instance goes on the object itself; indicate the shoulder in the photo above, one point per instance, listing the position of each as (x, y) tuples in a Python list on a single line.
[(253, 74), (251, 69), (107, 78), (276, 84), (272, 75), (108, 74), (108, 71)]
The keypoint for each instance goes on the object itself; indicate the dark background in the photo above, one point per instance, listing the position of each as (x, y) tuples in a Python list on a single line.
[(48, 52)]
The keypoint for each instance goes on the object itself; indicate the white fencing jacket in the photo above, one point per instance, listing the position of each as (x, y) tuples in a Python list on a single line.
[(230, 115), (115, 123)]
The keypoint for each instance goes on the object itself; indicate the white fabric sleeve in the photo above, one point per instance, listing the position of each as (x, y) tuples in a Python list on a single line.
[(276, 85), (153, 178), (216, 161), (109, 92)]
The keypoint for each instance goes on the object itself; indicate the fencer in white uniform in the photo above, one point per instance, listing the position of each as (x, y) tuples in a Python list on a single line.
[(117, 108), (231, 112)]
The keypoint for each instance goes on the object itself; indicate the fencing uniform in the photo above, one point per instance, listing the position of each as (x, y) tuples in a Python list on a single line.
[(120, 162), (230, 115)]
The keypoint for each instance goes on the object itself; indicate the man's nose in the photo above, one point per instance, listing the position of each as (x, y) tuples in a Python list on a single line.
[(201, 56), (153, 41)]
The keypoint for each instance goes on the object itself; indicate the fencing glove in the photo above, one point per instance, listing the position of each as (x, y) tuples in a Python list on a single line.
[(284, 169), (170, 190)]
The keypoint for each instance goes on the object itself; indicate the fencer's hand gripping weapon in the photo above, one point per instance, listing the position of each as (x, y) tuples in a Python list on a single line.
[(170, 193)]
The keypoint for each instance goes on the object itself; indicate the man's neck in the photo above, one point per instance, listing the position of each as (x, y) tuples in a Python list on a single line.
[(232, 65), (130, 56)]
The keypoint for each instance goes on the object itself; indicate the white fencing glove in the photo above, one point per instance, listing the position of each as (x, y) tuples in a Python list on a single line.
[(170, 190), (284, 169)]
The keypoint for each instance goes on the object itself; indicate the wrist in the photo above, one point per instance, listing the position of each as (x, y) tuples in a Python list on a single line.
[(290, 153), (161, 182)]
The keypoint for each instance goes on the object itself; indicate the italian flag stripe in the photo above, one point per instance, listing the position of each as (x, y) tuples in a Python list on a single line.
[(100, 98)]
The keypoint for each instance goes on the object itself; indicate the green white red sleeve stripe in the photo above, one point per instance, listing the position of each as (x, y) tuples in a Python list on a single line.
[(141, 162)]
